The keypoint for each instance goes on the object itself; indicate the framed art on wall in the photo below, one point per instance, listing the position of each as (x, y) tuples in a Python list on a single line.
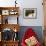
[(30, 13), (5, 12)]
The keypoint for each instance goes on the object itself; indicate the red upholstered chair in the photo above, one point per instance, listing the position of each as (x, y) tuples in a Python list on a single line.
[(29, 34)]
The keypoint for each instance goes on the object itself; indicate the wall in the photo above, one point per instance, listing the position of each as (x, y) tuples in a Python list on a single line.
[(32, 4), (27, 4)]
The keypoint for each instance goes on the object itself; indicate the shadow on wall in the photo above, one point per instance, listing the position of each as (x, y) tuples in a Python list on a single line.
[(37, 29)]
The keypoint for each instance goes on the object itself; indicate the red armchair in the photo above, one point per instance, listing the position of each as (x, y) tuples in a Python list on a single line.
[(30, 39)]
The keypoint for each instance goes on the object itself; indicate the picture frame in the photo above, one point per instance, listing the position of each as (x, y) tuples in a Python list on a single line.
[(30, 13), (5, 12)]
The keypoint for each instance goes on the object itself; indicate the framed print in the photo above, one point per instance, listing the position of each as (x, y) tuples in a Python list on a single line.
[(5, 12), (30, 13)]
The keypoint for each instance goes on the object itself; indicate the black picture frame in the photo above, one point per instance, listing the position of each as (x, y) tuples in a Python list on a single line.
[(30, 13)]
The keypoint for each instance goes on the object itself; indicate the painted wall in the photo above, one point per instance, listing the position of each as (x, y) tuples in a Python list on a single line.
[(27, 4), (32, 4)]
